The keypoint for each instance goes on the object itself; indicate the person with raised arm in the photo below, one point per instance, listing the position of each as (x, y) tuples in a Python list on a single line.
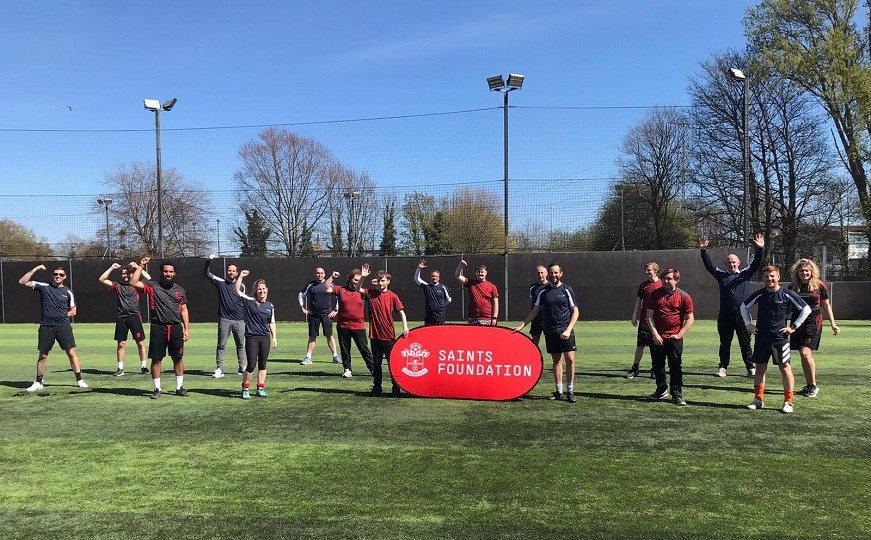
[(129, 317)]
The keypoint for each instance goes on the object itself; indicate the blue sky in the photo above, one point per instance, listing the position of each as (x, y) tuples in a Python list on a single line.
[(87, 65)]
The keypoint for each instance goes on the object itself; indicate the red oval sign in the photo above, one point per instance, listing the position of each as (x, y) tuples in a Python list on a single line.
[(466, 362)]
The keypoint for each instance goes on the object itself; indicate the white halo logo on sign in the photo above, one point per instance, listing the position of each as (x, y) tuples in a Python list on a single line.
[(415, 357)]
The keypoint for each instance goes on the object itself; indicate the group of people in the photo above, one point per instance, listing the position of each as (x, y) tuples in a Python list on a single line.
[(788, 318), (663, 314)]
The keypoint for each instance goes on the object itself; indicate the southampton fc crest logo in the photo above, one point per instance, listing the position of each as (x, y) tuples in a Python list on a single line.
[(415, 356)]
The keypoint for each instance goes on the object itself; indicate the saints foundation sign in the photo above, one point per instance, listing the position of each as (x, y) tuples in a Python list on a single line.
[(466, 362)]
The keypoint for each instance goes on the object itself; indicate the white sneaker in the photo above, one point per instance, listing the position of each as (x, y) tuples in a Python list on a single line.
[(346, 374), (35, 387), (218, 374), (787, 408), (306, 361), (721, 372), (756, 404), (751, 372), (81, 383)]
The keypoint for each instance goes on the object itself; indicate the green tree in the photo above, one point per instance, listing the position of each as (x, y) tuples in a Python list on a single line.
[(388, 237), (473, 221), (436, 235), (19, 242), (254, 238), (625, 217), (816, 44), (418, 211)]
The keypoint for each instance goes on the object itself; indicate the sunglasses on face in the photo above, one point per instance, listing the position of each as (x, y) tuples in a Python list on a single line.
[(59, 274)]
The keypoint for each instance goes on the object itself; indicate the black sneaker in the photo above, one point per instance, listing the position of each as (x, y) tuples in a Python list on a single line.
[(632, 373), (570, 397), (181, 392), (396, 391), (661, 393), (118, 372), (155, 394), (143, 370), (804, 391), (556, 396), (376, 391), (677, 399)]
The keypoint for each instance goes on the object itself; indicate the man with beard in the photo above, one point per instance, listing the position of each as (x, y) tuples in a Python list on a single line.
[(129, 318), (349, 321), (559, 313), (170, 325), (435, 295), (231, 317), (57, 306)]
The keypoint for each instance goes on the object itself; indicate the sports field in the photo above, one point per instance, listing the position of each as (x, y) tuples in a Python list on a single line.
[(320, 458)]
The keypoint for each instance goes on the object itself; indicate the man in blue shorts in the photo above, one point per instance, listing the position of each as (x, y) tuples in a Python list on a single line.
[(57, 306), (556, 303), (317, 305), (129, 319), (772, 333)]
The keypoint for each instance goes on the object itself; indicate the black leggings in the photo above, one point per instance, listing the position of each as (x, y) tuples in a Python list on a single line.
[(257, 351)]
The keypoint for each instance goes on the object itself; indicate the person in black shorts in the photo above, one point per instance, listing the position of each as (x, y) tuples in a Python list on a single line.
[(556, 303), (57, 306), (129, 317), (170, 324), (317, 305), (535, 328)]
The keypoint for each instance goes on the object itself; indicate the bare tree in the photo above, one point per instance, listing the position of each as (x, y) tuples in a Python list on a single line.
[(286, 177), (653, 166), (353, 202), (134, 210)]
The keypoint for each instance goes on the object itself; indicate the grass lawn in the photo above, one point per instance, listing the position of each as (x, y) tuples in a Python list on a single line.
[(320, 458)]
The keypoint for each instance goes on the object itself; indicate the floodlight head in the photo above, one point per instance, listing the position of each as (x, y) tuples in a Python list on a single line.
[(107, 200), (152, 104), (737, 74), (99, 201), (496, 82), (515, 80), (169, 104)]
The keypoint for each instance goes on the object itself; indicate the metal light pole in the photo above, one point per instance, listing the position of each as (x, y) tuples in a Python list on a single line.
[(498, 84), (219, 237), (351, 196), (154, 105), (739, 75), (106, 201)]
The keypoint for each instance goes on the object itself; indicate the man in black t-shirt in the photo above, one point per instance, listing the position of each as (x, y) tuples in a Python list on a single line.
[(535, 328), (57, 306), (129, 318), (170, 325), (317, 305)]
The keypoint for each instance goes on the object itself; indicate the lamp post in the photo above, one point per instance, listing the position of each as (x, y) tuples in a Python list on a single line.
[(499, 84), (106, 201), (219, 237), (351, 196), (739, 75), (155, 106)]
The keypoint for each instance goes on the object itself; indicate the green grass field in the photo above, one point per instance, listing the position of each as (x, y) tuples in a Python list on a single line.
[(320, 458)]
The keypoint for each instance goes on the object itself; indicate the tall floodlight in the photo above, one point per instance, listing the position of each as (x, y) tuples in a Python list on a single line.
[(154, 105), (499, 84), (738, 75)]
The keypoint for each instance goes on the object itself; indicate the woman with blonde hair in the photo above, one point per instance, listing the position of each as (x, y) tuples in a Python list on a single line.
[(806, 282)]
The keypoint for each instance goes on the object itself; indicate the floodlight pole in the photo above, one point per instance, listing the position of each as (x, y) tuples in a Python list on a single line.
[(159, 185), (106, 201), (498, 84), (739, 75)]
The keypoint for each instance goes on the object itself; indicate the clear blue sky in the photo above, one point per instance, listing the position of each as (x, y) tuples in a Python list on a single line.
[(259, 62), (87, 65)]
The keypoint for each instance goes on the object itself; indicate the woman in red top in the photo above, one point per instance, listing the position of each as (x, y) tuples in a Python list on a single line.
[(806, 282)]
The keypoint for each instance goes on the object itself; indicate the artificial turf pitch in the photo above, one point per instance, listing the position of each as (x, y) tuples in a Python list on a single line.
[(320, 458)]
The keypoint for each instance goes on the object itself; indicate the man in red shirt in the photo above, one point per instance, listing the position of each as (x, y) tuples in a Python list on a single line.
[(639, 319), (669, 316), (382, 305), (483, 296), (349, 316)]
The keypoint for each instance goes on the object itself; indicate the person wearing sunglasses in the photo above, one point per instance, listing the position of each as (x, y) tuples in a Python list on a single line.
[(57, 307)]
